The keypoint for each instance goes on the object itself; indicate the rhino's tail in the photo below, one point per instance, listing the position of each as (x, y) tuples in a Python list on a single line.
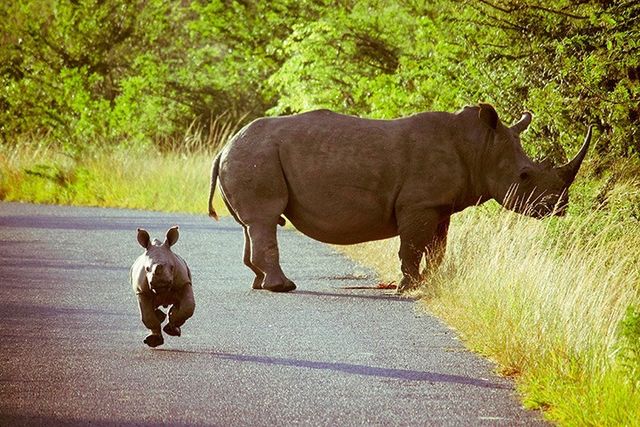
[(212, 189)]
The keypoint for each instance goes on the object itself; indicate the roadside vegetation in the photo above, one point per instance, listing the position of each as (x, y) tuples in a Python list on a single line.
[(555, 303), (110, 104)]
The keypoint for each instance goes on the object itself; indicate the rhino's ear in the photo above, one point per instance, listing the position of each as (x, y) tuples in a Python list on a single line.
[(143, 238), (488, 115), (172, 236)]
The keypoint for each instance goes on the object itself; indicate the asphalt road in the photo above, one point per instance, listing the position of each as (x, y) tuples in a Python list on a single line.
[(72, 353)]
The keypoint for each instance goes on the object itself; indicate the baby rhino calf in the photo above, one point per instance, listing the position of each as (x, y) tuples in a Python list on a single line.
[(161, 278)]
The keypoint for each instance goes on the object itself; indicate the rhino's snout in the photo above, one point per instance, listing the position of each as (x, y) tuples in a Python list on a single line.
[(159, 276)]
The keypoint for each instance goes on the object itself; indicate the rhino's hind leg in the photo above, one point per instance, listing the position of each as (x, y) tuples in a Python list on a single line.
[(160, 315), (257, 281), (265, 256)]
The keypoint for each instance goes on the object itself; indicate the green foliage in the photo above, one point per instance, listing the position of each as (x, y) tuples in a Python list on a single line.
[(380, 59), (139, 73), (91, 72), (572, 63)]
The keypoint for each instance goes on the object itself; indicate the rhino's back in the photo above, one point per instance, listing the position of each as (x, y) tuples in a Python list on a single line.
[(343, 174)]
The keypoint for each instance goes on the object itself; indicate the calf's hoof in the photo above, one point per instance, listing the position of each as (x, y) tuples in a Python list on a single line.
[(174, 331), (286, 286), (154, 340)]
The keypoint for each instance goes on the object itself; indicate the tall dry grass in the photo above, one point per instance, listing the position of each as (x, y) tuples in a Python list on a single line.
[(171, 177), (546, 300)]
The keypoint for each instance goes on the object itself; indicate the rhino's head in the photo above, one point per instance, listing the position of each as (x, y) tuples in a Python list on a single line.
[(158, 259), (517, 182)]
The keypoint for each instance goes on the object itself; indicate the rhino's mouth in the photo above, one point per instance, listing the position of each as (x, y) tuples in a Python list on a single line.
[(542, 206), (544, 210), (160, 286)]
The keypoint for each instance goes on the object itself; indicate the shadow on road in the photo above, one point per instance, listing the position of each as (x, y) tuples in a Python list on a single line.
[(348, 368), (386, 297)]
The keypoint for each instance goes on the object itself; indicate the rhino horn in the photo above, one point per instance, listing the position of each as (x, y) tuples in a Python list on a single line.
[(524, 122), (569, 171)]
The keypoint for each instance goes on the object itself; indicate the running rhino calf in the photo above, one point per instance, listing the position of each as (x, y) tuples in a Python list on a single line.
[(343, 180), (162, 278)]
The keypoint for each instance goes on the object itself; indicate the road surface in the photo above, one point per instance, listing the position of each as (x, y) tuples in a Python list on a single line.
[(72, 353)]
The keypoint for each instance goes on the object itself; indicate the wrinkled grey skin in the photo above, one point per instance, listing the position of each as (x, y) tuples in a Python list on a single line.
[(343, 180), (162, 278)]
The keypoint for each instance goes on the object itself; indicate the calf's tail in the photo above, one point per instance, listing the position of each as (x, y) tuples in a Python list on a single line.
[(214, 179)]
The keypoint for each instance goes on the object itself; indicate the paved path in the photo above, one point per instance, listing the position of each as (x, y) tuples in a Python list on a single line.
[(71, 341)]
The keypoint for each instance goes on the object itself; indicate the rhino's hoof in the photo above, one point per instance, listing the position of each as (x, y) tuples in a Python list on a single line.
[(257, 283), (154, 340), (406, 284), (287, 286), (174, 331), (160, 315)]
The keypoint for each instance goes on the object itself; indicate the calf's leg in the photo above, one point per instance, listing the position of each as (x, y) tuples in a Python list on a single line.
[(150, 320), (180, 312)]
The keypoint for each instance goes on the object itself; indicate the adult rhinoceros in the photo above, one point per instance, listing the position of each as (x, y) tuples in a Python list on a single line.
[(342, 179)]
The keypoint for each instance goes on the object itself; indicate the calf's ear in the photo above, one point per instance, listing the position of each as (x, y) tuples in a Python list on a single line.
[(488, 115), (143, 238), (172, 236)]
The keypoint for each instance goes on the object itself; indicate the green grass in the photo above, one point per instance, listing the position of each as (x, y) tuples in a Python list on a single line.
[(555, 303)]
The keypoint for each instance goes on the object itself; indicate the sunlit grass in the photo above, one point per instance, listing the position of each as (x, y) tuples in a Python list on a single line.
[(545, 300), (145, 179)]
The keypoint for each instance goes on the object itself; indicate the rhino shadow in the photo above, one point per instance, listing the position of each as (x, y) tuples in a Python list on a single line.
[(349, 368)]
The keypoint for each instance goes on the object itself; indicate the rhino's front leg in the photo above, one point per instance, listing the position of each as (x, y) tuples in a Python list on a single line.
[(150, 320), (437, 246), (180, 312), (417, 228)]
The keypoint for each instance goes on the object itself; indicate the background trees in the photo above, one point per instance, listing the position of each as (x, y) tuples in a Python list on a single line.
[(105, 72)]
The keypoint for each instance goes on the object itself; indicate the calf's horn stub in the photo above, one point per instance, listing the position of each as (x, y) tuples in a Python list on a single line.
[(524, 122), (569, 171)]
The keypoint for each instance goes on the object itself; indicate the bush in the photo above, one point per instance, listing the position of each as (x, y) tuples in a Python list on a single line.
[(105, 72)]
